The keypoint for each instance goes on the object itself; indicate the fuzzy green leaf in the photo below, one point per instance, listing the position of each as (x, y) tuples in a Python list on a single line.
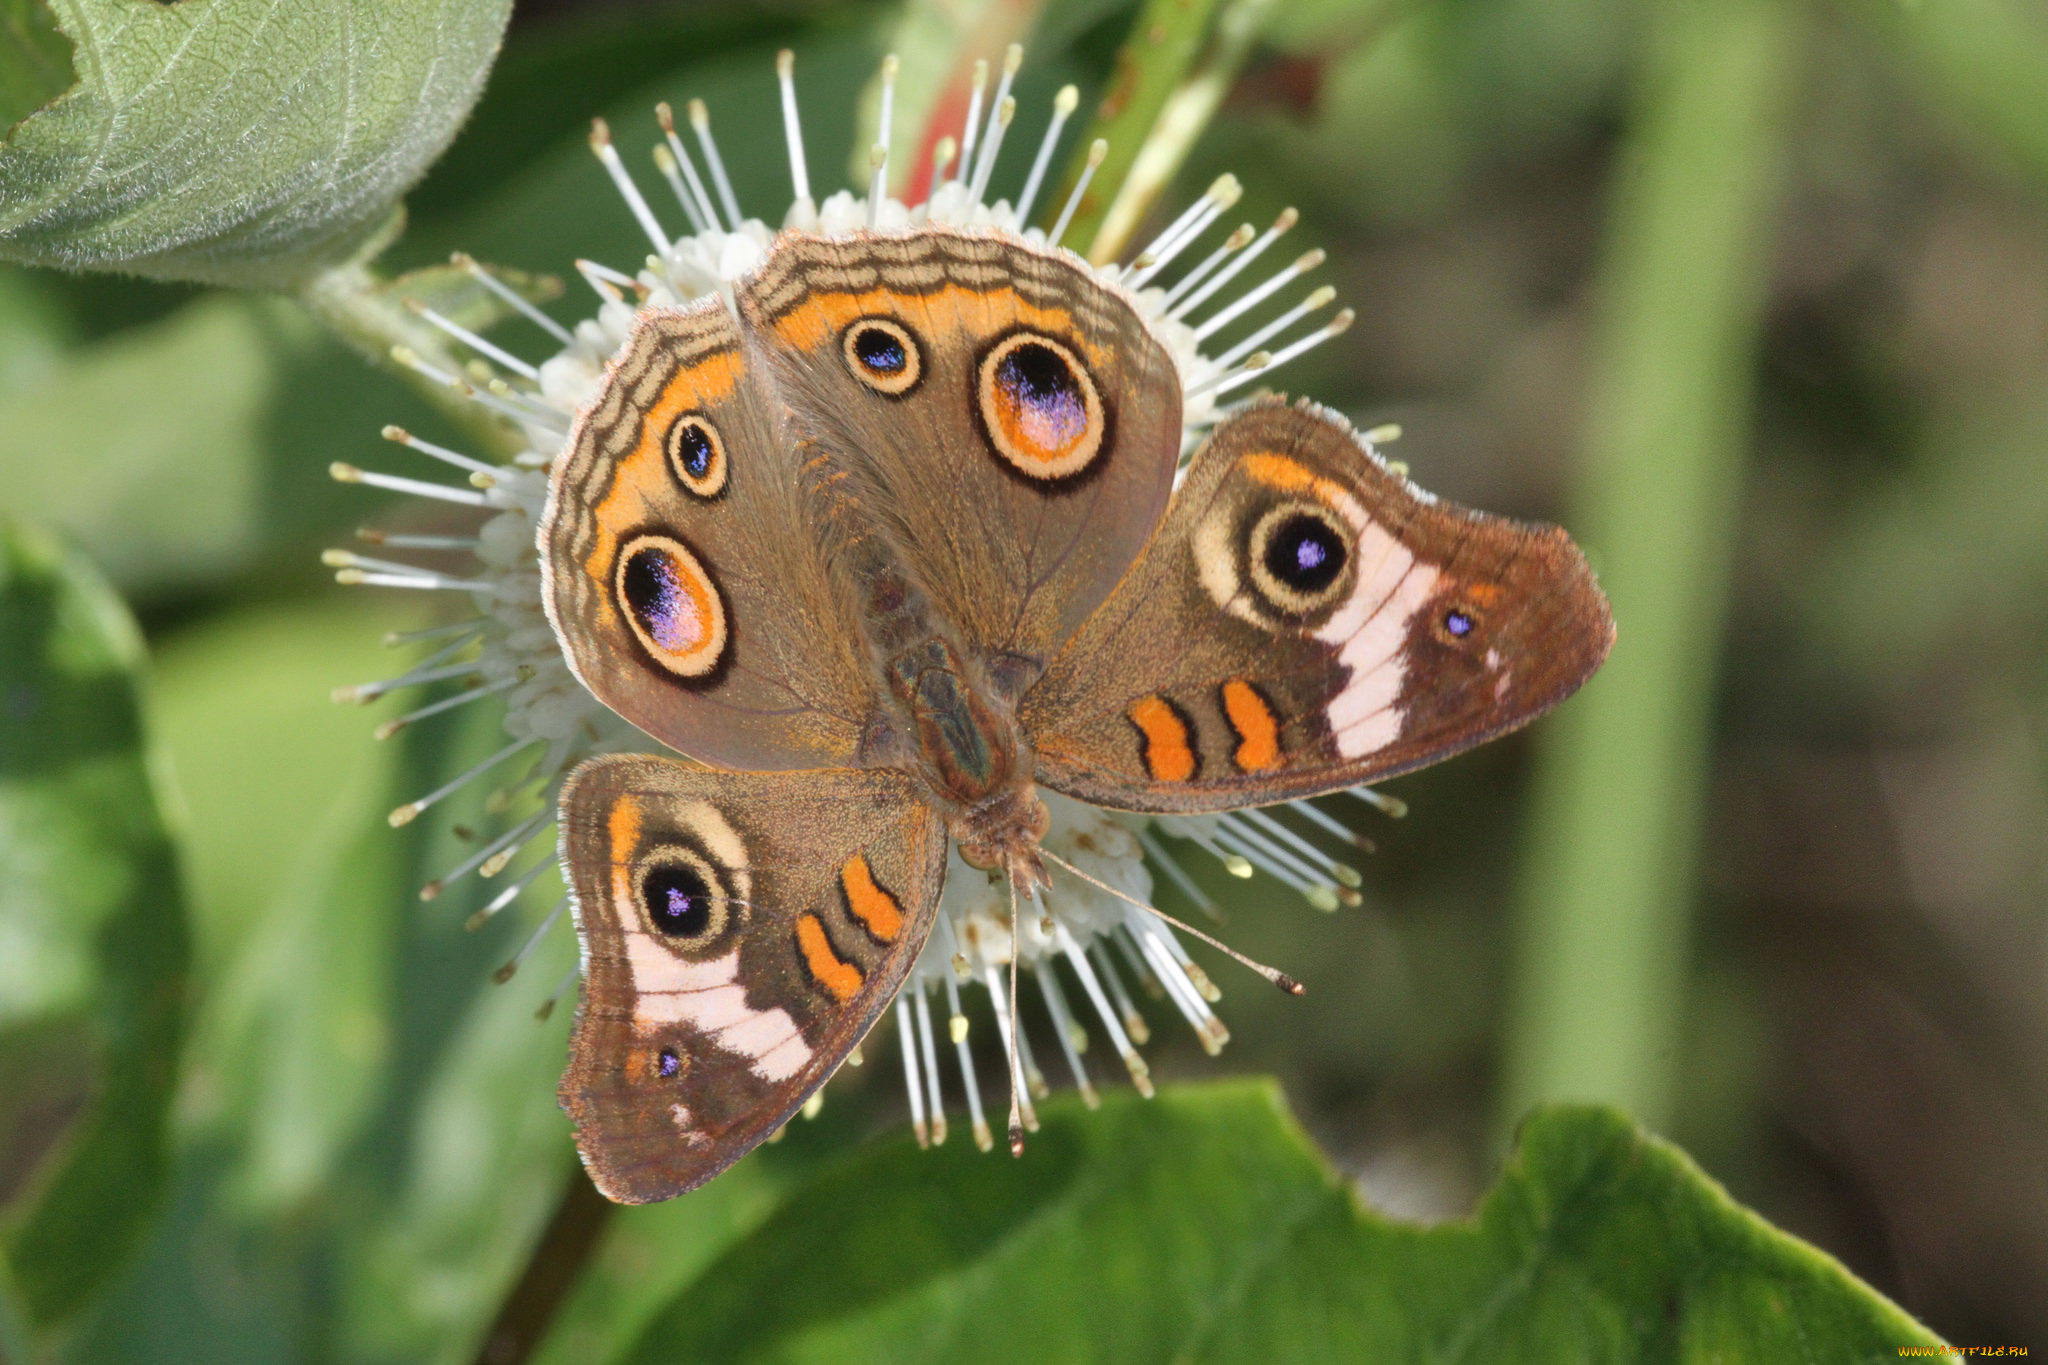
[(93, 939), (246, 142), (1204, 1228)]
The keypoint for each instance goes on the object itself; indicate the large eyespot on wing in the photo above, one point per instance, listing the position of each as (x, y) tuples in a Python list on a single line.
[(1285, 556), (1039, 406), (686, 900), (883, 354), (673, 605)]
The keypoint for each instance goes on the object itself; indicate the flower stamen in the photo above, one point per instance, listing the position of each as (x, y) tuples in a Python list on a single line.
[(504, 973), (1063, 106), (601, 143), (792, 131), (1098, 152)]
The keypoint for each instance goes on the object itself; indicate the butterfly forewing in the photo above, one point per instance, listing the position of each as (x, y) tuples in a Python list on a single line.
[(686, 567), (1307, 620), (740, 934), (1008, 423)]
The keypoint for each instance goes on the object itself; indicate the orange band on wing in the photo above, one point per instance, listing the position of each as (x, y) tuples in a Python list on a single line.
[(1291, 476), (842, 979), (641, 479), (819, 319), (868, 902), (1169, 742), (1258, 729), (623, 824)]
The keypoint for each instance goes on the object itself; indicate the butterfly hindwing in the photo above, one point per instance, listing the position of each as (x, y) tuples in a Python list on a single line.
[(684, 569), (740, 933), (1007, 423), (1307, 620)]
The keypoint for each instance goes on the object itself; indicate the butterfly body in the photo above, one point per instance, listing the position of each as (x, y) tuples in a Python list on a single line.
[(887, 542)]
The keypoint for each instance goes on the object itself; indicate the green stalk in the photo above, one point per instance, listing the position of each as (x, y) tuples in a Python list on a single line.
[(1609, 878), (1170, 77), (1985, 62)]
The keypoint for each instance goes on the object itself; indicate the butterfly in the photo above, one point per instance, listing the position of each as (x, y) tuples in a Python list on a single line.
[(886, 542)]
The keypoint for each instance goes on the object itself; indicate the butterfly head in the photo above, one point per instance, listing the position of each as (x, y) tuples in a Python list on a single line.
[(1004, 833)]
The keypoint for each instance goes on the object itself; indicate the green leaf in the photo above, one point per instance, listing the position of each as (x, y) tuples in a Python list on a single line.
[(297, 891), (1203, 1227), (246, 142), (35, 61), (215, 454), (92, 933)]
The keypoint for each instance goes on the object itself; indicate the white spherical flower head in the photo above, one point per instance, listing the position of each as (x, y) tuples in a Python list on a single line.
[(1089, 947)]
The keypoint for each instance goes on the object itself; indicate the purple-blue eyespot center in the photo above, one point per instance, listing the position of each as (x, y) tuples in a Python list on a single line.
[(1040, 399), (880, 351), (678, 900), (1305, 553), (660, 600)]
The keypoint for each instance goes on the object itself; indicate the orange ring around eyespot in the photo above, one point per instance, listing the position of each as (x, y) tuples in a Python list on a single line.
[(671, 603), (910, 360), (711, 482), (1040, 406)]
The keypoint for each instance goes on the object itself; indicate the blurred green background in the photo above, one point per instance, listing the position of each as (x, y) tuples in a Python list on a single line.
[(1752, 297)]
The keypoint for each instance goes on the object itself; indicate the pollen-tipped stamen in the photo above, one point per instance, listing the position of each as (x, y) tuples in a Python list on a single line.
[(1141, 1075), (999, 124), (508, 895), (1392, 806), (1192, 224), (1235, 242), (700, 123), (912, 1083), (1272, 974), (504, 973), (419, 488), (364, 693), (472, 340), (1134, 1022), (546, 1008), (1072, 1037), (1336, 327), (1302, 264), (971, 131), (1063, 106), (464, 698), (792, 130), (697, 201), (1320, 298), (1287, 219), (510, 297), (601, 143), (513, 838), (1244, 369), (441, 453), (411, 810), (1098, 151), (928, 1050)]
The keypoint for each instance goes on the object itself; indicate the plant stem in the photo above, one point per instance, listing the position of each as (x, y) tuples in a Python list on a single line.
[(558, 1259), (1610, 866), (1170, 76)]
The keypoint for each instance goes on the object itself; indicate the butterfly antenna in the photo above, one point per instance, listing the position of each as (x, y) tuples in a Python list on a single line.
[(1016, 1066), (1272, 974)]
